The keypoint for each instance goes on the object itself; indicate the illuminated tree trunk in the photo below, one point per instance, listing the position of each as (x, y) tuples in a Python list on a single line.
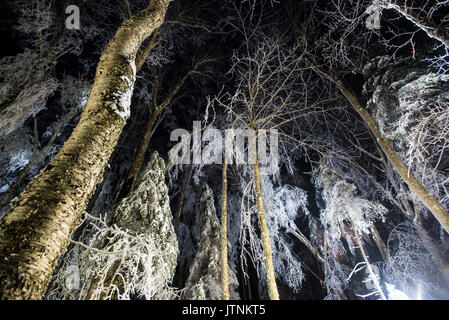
[(415, 217), (35, 157), (35, 232), (298, 235), (373, 276), (224, 234), (380, 243), (265, 233), (428, 199)]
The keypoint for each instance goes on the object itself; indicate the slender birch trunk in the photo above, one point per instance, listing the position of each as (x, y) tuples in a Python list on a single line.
[(433, 31), (265, 233), (415, 218), (35, 232), (427, 198), (298, 235)]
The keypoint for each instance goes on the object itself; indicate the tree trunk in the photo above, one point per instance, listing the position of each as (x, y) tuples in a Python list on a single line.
[(143, 144), (36, 157), (35, 232), (368, 266), (428, 199), (415, 218), (182, 195), (224, 234)]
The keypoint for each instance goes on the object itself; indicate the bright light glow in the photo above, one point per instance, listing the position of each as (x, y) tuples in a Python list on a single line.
[(419, 292)]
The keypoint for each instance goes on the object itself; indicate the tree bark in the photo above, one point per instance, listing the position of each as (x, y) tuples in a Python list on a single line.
[(182, 195), (224, 234), (368, 266), (427, 198), (35, 232), (36, 158), (430, 246), (415, 218)]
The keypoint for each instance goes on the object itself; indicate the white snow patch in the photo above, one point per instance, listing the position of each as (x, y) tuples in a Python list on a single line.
[(133, 66), (121, 103), (4, 188)]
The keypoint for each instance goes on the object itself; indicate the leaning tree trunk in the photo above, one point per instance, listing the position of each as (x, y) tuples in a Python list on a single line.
[(427, 198), (35, 232)]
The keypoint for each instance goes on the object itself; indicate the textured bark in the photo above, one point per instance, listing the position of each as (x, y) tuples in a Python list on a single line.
[(35, 232), (265, 233), (36, 157), (428, 199), (143, 53), (224, 234)]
